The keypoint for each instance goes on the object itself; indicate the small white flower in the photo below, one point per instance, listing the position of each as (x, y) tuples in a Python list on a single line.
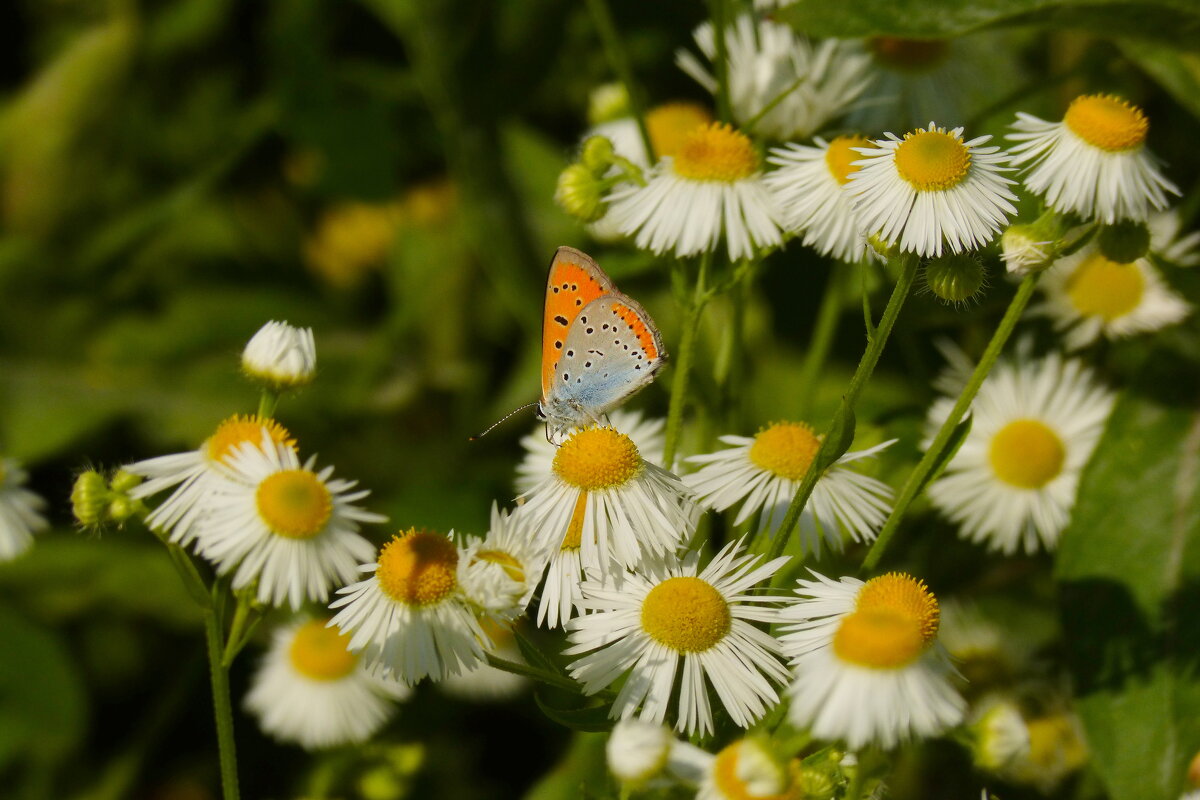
[(931, 191), (284, 525), (1034, 425), (765, 471), (194, 474), (309, 689), (747, 769), (645, 755), (281, 356), (602, 509), (867, 664), (809, 184), (710, 189), (499, 572), (1094, 162), (19, 507), (999, 736), (768, 62), (410, 618), (682, 619)]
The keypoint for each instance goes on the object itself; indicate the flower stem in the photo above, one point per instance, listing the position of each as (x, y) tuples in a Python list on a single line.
[(618, 59), (843, 420), (536, 674), (683, 363), (822, 339), (267, 402), (920, 474), (219, 675)]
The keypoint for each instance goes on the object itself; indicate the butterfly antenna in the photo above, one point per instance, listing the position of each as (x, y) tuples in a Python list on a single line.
[(502, 419)]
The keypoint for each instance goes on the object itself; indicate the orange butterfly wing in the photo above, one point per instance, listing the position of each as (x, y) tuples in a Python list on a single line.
[(575, 280)]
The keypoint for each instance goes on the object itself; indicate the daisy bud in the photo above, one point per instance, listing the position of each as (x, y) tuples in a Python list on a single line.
[(998, 734), (1023, 250), (637, 751), (281, 356), (607, 102), (955, 278), (1124, 242), (579, 193), (123, 481), (816, 784), (121, 508), (89, 498), (597, 154)]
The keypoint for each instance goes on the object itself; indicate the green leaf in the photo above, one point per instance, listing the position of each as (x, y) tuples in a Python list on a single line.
[(1176, 71), (42, 702), (534, 656), (1161, 20), (1129, 574), (589, 718)]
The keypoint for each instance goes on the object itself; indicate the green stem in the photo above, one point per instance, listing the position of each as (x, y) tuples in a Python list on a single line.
[(618, 59), (917, 479), (683, 364), (776, 100), (721, 59), (267, 402), (219, 675), (245, 620), (536, 674), (866, 365), (822, 340)]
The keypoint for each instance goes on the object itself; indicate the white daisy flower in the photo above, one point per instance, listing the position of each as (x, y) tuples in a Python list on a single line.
[(281, 356), (195, 473), (645, 755), (282, 525), (711, 188), (19, 507), (768, 62), (765, 471), (603, 508), (1168, 241), (998, 734), (310, 690), (1094, 163), (866, 660), (1089, 296), (484, 683), (809, 186), (748, 769), (931, 190), (409, 618), (499, 573), (680, 619), (1034, 425), (538, 464)]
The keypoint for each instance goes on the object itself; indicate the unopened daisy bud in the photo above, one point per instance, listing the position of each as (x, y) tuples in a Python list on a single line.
[(121, 507), (815, 783), (637, 751), (1023, 251), (124, 480), (955, 278), (281, 356), (1124, 242), (597, 154), (998, 734), (607, 102), (579, 193), (89, 498)]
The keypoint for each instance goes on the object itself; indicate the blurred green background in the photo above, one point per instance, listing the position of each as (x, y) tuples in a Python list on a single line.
[(175, 174)]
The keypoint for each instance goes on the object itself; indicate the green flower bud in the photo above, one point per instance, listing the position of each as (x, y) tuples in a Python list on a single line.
[(881, 246), (955, 278), (123, 481), (597, 154), (90, 498), (580, 193), (816, 784), (121, 508), (1124, 242)]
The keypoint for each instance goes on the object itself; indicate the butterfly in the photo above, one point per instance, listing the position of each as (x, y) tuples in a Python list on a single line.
[(598, 345)]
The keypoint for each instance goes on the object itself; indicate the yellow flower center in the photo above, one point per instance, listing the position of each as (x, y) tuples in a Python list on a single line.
[(1026, 453), (932, 160), (294, 503), (894, 619), (908, 55), (1107, 122), (239, 429), (598, 458), (732, 784), (840, 157), (320, 653), (786, 449), (418, 568), (670, 124), (1103, 288), (716, 152), (511, 566), (686, 614)]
